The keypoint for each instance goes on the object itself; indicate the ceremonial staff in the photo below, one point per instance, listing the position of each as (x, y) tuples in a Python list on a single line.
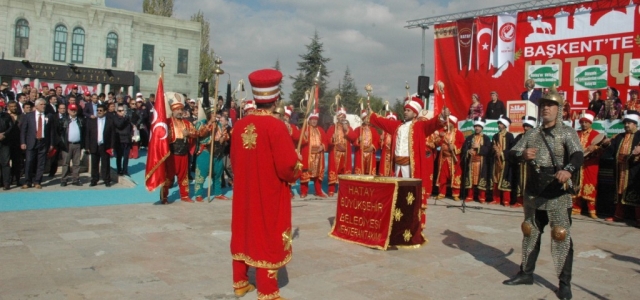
[(336, 103), (240, 89), (368, 88), (312, 97), (217, 71)]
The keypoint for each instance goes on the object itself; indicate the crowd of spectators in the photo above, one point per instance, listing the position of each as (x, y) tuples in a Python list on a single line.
[(42, 130)]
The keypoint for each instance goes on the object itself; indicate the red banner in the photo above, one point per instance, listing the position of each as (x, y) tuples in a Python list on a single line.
[(155, 173), (465, 43), (576, 35), (364, 212)]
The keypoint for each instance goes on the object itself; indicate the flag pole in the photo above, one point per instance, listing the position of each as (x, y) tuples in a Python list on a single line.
[(218, 72)]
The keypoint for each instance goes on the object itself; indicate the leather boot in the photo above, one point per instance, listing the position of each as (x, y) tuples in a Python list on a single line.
[(525, 276), (564, 287)]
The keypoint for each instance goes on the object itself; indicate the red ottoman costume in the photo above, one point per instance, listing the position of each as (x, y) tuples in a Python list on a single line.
[(365, 139), (313, 138), (385, 168), (589, 170), (339, 152), (409, 147), (449, 171), (261, 210), (177, 164)]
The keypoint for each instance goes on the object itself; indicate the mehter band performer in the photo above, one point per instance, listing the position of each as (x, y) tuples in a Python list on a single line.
[(553, 154), (626, 147), (365, 139), (265, 162), (386, 156), (314, 144), (409, 145), (339, 149), (501, 176), (475, 152), (589, 171), (519, 175), (181, 142), (450, 140)]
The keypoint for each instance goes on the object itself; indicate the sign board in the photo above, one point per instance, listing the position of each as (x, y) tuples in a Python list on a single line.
[(516, 109), (545, 76), (590, 78)]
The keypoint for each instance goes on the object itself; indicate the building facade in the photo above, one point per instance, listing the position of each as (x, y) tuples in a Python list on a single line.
[(82, 38)]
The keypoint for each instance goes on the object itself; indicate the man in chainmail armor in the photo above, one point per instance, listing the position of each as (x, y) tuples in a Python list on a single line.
[(552, 154)]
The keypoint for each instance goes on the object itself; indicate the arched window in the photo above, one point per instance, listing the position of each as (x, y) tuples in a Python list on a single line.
[(60, 43), (77, 45), (22, 38), (112, 48)]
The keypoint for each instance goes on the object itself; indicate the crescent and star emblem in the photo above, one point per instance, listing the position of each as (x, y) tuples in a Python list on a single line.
[(161, 124)]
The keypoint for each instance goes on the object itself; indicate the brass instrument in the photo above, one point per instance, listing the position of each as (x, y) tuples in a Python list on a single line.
[(217, 71), (385, 109), (312, 99), (302, 105)]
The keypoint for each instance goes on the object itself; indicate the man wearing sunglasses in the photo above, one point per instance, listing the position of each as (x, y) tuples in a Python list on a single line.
[(122, 141), (100, 137)]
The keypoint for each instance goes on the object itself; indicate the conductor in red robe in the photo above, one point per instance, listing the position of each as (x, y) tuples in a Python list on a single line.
[(409, 145), (265, 162), (339, 149), (365, 139)]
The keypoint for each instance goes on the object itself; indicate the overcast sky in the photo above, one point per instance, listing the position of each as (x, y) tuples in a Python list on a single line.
[(367, 36)]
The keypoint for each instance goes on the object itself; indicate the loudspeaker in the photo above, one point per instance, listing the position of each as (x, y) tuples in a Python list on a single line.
[(423, 86)]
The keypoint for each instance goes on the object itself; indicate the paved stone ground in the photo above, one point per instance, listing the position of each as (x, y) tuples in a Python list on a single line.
[(181, 251)]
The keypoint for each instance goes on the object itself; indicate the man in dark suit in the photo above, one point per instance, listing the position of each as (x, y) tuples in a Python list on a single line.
[(124, 133), (6, 128), (57, 119), (531, 94), (90, 108), (35, 138), (52, 105), (99, 141), (6, 93)]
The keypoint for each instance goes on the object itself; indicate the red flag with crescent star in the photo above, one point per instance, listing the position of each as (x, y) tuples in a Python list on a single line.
[(158, 150)]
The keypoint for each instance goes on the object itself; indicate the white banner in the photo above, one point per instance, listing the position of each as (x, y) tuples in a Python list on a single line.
[(506, 39)]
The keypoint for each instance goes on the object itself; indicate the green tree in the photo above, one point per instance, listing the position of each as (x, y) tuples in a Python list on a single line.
[(277, 67), (308, 68), (207, 55), (158, 7)]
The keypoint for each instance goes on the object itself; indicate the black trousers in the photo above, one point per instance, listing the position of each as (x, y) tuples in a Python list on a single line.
[(17, 161), (101, 159), (5, 170), (542, 219), (35, 161), (122, 157)]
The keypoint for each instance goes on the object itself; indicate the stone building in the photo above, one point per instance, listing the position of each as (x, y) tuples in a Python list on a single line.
[(103, 49)]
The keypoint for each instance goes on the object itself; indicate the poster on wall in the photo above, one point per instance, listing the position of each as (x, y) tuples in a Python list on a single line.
[(566, 37), (634, 72), (545, 76), (590, 78)]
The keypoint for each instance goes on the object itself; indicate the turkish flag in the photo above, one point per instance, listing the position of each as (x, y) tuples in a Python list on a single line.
[(484, 42), (158, 150)]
